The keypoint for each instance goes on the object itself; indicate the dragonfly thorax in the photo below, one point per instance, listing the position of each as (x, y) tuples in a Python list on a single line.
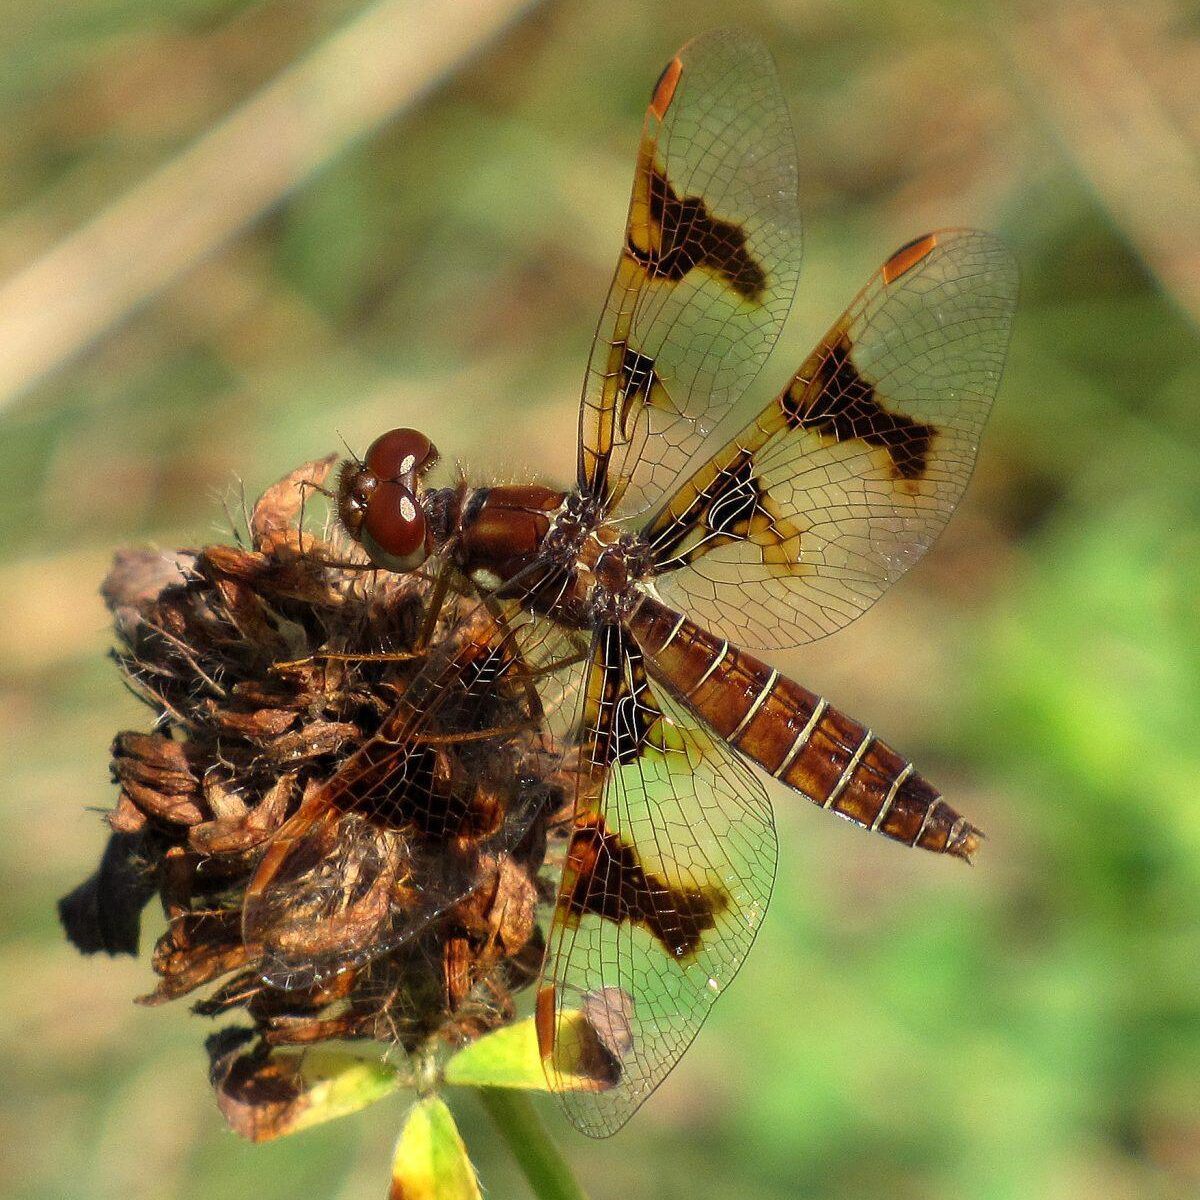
[(613, 565)]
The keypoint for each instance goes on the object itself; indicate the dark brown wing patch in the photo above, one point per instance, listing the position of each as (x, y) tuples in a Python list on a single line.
[(604, 877), (833, 399), (684, 235), (639, 385)]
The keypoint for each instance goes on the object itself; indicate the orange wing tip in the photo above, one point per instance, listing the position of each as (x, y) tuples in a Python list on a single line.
[(908, 256), (664, 89), (584, 1048)]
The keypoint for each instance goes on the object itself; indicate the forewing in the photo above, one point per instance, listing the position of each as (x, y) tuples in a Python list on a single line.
[(333, 888), (322, 899), (668, 874), (802, 520), (706, 275)]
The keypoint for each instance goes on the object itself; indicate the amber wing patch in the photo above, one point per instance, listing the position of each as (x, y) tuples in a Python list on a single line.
[(908, 256), (664, 89)]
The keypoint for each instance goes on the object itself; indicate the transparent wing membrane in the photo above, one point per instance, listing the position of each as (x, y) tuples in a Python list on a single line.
[(707, 273), (446, 780), (845, 479), (668, 874)]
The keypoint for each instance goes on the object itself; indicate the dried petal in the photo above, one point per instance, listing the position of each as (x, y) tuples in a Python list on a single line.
[(138, 578), (257, 725), (126, 817), (105, 911), (316, 739), (279, 506), (285, 681), (265, 1096)]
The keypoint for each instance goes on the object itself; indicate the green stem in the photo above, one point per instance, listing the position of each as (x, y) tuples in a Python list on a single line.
[(545, 1168)]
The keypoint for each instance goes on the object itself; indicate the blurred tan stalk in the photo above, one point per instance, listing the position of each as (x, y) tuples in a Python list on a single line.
[(375, 67), (1102, 76)]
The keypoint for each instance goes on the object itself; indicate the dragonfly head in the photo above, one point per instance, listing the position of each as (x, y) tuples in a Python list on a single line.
[(379, 504)]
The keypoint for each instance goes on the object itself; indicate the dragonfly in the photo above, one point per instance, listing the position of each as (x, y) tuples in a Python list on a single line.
[(691, 538)]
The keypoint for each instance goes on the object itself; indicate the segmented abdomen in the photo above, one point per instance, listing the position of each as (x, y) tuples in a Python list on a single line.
[(797, 736)]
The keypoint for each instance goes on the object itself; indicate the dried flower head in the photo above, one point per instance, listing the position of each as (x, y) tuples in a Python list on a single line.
[(344, 804)]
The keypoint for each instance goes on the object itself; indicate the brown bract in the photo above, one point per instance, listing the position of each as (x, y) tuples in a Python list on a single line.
[(342, 807)]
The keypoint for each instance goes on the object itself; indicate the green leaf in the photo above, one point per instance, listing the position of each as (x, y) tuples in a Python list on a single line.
[(506, 1057), (264, 1098), (509, 1058), (431, 1161), (339, 1084)]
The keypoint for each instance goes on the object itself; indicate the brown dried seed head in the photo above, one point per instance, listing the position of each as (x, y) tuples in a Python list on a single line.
[(344, 826)]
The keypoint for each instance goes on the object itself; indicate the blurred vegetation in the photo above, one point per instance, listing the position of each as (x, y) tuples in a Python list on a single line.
[(905, 1027)]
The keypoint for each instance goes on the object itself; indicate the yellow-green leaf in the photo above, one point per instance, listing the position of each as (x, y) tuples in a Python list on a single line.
[(339, 1083), (509, 1058), (431, 1161), (268, 1097)]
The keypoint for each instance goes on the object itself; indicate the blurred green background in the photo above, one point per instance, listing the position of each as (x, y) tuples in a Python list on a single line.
[(232, 233)]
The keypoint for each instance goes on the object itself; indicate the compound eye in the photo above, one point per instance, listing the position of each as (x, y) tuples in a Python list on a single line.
[(355, 486), (393, 531), (400, 453)]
